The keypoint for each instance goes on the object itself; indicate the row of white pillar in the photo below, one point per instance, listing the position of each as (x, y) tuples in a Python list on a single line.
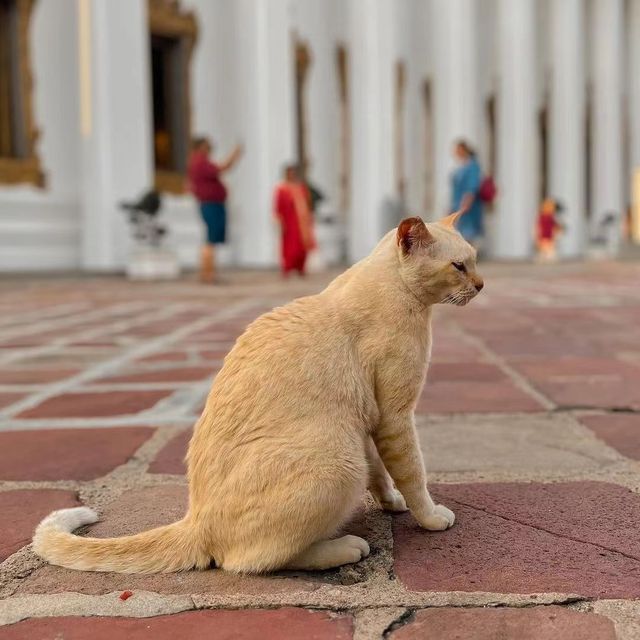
[(585, 41), (582, 45), (261, 91)]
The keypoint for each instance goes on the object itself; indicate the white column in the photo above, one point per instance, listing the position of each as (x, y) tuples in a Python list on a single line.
[(214, 113), (517, 134), (456, 89), (115, 123), (372, 92), (606, 163), (264, 98), (316, 26), (633, 75), (567, 120)]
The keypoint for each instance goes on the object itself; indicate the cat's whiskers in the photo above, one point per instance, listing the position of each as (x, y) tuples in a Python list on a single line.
[(459, 298)]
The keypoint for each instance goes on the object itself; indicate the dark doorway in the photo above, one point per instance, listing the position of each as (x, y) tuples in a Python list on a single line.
[(302, 64), (428, 147), (492, 139), (543, 134), (13, 143), (170, 122)]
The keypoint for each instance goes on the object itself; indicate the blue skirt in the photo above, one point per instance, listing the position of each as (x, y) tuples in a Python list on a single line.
[(214, 215)]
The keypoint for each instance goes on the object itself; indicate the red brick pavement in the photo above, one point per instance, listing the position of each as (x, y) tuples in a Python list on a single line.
[(22, 510), (527, 538), (170, 459), (620, 431), (538, 623), (67, 454), (281, 624), (557, 342), (95, 404)]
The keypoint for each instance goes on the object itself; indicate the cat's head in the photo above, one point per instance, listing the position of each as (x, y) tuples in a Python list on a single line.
[(436, 263)]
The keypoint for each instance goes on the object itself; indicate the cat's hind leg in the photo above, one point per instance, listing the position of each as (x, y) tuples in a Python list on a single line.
[(292, 520), (327, 554)]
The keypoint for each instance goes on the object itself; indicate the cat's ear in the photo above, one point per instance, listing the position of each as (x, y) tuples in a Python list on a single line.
[(451, 219), (413, 234)]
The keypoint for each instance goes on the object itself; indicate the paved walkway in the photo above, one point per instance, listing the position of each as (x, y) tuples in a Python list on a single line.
[(529, 424)]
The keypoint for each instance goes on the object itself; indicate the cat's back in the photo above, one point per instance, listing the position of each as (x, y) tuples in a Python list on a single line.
[(289, 359), (297, 337)]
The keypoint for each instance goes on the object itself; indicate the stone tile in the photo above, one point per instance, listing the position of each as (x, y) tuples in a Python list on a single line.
[(215, 354), (620, 431), (142, 509), (453, 349), (464, 372), (182, 374), (562, 369), (22, 343), (170, 458), (67, 454), (593, 393), (95, 404), (34, 376), (518, 345), (103, 342), (68, 358), (577, 538), (7, 399), (22, 510), (166, 356), (530, 443), (475, 397), (535, 623), (247, 624)]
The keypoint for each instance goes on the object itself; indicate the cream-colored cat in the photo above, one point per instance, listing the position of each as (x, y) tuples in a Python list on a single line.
[(314, 398)]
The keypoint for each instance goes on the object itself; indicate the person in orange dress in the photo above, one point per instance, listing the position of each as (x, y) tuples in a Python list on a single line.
[(292, 210)]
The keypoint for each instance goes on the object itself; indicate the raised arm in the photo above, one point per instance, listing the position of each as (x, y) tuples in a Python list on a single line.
[(232, 158)]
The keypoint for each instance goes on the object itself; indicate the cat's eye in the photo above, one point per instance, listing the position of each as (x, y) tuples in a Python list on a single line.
[(460, 266)]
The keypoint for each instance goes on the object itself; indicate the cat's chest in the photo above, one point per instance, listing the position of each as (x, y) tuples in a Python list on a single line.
[(413, 352)]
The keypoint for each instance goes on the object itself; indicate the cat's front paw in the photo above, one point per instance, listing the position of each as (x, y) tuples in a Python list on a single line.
[(439, 519), (392, 501)]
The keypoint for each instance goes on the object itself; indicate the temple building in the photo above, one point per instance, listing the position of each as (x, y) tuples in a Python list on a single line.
[(99, 100)]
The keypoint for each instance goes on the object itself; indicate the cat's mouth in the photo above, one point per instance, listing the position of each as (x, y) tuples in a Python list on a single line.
[(459, 298)]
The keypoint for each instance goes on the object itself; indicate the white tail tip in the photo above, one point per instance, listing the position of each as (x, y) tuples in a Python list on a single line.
[(69, 519)]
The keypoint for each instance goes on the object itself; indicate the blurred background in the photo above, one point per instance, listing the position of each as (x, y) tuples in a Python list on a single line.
[(100, 99)]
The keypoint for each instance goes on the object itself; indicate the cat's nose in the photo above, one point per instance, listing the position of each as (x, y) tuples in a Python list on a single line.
[(478, 285)]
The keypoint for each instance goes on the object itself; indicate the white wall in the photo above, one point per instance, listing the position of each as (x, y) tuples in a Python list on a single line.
[(39, 228)]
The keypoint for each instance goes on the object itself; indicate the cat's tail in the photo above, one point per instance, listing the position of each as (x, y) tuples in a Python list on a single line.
[(165, 549)]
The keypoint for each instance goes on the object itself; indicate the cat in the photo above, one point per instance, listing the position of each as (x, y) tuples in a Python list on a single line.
[(314, 399)]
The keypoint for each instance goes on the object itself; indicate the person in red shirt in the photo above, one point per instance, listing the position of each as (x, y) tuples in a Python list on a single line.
[(292, 210), (206, 185)]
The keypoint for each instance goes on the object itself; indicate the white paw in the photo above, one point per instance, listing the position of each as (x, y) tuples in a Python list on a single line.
[(359, 546), (439, 519), (393, 501)]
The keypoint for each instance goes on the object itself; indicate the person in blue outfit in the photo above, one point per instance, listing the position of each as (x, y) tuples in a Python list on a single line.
[(465, 183)]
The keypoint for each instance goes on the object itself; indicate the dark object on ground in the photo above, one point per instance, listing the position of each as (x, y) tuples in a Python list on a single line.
[(143, 216), (601, 236)]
